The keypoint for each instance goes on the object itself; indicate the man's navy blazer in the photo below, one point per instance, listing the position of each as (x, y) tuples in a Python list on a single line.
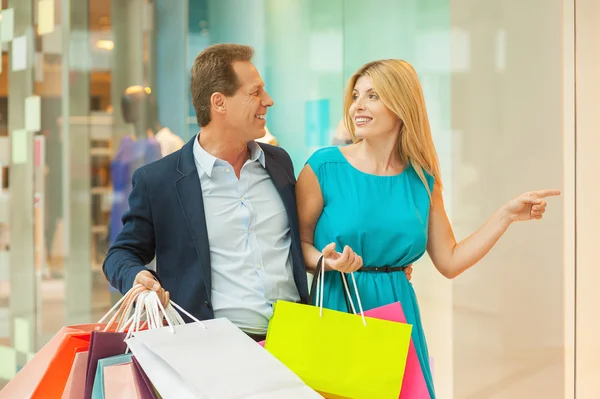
[(166, 218)]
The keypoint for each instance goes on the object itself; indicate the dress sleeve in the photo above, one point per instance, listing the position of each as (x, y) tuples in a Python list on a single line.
[(316, 161)]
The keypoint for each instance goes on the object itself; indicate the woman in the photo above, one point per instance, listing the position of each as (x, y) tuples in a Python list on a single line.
[(379, 200)]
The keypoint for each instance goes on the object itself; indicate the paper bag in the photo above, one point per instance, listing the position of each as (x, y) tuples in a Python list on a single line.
[(337, 354), (213, 359)]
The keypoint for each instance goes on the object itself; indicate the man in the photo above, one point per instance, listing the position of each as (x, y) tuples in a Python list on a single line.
[(220, 214)]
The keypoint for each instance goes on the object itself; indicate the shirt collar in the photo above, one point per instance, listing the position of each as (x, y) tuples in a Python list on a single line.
[(256, 153), (208, 161)]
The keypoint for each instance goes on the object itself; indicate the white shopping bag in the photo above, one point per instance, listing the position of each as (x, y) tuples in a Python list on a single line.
[(213, 360)]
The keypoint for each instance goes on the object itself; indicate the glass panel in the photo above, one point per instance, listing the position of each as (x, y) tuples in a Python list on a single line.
[(507, 117), (486, 71), (55, 230)]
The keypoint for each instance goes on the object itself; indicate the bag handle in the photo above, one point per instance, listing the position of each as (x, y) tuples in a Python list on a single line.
[(320, 293), (140, 307), (122, 308)]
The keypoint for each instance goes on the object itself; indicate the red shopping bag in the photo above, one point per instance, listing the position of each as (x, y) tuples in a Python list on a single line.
[(54, 380)]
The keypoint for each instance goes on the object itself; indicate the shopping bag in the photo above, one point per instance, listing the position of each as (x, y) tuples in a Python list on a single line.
[(25, 382), (213, 359), (413, 384), (102, 345), (51, 366), (76, 381), (120, 382), (145, 387), (340, 355), (98, 388), (108, 348), (54, 380)]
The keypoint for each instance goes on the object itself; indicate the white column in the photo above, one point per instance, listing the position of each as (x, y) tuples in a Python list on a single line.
[(76, 162), (587, 195), (23, 282)]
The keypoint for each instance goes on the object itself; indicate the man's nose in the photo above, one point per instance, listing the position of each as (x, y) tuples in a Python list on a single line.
[(267, 101)]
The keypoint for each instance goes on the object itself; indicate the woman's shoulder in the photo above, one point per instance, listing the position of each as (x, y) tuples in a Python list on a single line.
[(323, 156), (429, 178)]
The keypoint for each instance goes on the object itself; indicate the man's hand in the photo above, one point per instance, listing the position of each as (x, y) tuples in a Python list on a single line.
[(147, 280)]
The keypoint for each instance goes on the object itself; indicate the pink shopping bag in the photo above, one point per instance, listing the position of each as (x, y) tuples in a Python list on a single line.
[(120, 382), (413, 384), (76, 381)]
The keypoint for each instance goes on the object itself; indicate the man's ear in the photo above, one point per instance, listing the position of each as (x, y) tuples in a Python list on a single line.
[(218, 102)]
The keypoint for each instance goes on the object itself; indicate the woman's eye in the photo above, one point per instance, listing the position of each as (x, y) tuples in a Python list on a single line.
[(373, 97)]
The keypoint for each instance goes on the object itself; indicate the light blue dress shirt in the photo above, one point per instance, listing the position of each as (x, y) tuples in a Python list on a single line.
[(249, 237)]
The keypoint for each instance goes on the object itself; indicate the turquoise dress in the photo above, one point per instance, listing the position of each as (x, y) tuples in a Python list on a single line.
[(384, 219)]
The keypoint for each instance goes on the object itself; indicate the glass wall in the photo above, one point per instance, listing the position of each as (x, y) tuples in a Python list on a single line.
[(492, 73), (66, 67), (306, 50)]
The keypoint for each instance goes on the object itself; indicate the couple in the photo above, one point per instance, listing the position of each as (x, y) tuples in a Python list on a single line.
[(233, 232)]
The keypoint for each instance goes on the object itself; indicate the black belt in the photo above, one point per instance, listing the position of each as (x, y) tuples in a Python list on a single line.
[(364, 269), (381, 269), (257, 337)]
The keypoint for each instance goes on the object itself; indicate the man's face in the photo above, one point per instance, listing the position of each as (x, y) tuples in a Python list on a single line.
[(246, 110)]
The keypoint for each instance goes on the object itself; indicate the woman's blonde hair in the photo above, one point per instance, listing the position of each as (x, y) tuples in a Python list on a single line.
[(397, 85)]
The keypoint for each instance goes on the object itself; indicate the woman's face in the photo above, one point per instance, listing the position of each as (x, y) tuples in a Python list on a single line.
[(369, 114)]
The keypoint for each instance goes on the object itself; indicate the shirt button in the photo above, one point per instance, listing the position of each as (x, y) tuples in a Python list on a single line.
[(242, 198), (227, 170)]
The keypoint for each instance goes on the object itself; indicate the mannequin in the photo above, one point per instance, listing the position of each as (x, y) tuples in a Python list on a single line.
[(135, 105), (135, 150), (169, 142)]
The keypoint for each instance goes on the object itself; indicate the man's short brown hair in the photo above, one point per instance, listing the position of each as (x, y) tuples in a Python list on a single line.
[(213, 72)]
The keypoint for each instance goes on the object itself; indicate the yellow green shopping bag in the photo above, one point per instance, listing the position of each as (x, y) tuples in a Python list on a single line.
[(340, 355)]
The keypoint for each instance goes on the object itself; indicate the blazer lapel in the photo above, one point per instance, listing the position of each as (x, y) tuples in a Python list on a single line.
[(189, 193), (283, 183)]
